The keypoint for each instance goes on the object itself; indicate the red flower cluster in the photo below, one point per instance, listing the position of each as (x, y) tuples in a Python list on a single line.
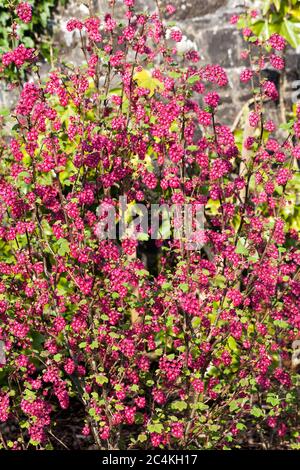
[(24, 12), (185, 348)]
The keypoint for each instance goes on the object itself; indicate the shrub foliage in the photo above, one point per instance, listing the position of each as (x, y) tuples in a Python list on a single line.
[(196, 353)]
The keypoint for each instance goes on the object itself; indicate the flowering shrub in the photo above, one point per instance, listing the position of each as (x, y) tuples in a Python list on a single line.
[(34, 25), (278, 16), (199, 354)]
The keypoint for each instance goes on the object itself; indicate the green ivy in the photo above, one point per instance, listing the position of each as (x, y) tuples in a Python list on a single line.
[(34, 33), (279, 16)]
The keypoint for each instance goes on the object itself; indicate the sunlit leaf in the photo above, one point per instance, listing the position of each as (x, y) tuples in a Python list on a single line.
[(144, 79)]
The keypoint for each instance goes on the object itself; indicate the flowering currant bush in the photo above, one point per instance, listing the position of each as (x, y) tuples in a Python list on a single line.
[(197, 354)]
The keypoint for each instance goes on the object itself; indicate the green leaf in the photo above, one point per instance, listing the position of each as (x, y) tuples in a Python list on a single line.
[(142, 237), (212, 206), (273, 400), (196, 322), (94, 344), (193, 79), (34, 443), (101, 379), (241, 22), (142, 438), (158, 352), (277, 4), (295, 14), (184, 287), (261, 29), (252, 39), (240, 248), (166, 286), (174, 74), (254, 258), (200, 406), (232, 343), (281, 324), (64, 247), (291, 32), (144, 79), (192, 148), (4, 112), (142, 272), (233, 406), (29, 394), (257, 412), (240, 426), (219, 281), (287, 125), (179, 405), (266, 6), (158, 428), (92, 412)]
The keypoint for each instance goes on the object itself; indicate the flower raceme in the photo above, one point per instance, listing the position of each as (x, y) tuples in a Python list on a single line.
[(192, 349), (24, 12)]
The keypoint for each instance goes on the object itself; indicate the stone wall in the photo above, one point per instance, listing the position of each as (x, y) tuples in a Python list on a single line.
[(206, 24)]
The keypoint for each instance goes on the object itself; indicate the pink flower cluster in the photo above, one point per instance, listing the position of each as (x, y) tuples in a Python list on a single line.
[(18, 56), (277, 42), (154, 342), (91, 25), (24, 12)]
